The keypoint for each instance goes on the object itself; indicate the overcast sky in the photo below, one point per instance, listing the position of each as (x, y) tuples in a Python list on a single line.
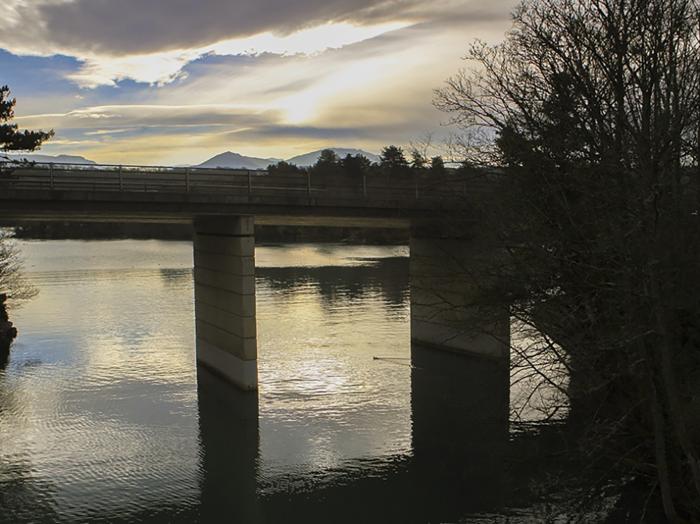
[(178, 81)]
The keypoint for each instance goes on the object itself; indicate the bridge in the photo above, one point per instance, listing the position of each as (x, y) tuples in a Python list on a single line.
[(223, 206)]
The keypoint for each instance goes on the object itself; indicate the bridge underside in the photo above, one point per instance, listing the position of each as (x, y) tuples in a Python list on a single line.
[(9, 218), (446, 315), (85, 206)]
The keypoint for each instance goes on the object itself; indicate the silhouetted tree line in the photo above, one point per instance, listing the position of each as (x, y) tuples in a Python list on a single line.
[(392, 162)]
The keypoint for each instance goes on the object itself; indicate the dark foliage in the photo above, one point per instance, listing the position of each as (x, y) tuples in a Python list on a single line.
[(283, 167), (393, 161), (592, 112), (11, 138)]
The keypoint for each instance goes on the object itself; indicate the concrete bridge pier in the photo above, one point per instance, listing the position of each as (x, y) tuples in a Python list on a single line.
[(460, 353), (450, 307), (224, 292)]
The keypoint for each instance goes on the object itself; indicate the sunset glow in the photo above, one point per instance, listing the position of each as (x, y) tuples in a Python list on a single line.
[(147, 83)]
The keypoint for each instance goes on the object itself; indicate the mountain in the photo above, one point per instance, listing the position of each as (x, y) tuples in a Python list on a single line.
[(48, 159), (231, 160), (310, 159)]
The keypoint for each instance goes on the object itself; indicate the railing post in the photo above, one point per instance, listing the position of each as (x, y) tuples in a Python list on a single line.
[(308, 184), (51, 175), (364, 185), (121, 180), (250, 183), (187, 180)]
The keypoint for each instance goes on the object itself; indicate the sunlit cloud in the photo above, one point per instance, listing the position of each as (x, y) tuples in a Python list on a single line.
[(305, 105), (108, 132), (177, 81), (132, 115), (151, 69), (308, 41), (162, 68), (81, 143)]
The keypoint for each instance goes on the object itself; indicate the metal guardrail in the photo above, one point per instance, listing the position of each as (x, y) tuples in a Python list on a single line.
[(183, 180)]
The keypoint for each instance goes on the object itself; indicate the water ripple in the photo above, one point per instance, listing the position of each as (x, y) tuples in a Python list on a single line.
[(100, 417)]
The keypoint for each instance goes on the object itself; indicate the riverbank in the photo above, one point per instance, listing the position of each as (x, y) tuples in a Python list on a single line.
[(7, 331)]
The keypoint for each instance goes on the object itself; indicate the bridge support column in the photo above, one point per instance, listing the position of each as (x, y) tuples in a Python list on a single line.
[(448, 308), (224, 283), (460, 353)]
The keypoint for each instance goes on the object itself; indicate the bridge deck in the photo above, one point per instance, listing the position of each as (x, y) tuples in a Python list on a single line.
[(108, 192)]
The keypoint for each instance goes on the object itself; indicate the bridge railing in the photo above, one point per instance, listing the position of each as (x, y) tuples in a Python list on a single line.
[(131, 178)]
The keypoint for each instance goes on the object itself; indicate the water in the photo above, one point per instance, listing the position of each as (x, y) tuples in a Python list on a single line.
[(104, 415)]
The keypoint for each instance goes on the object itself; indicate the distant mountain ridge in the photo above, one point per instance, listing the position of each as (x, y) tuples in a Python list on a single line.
[(309, 159), (48, 159), (229, 160)]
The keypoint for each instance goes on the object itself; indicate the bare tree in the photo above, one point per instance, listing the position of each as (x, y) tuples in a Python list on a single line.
[(12, 284), (592, 111), (14, 287), (12, 281)]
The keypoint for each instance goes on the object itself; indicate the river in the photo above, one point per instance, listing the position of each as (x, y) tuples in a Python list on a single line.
[(104, 416)]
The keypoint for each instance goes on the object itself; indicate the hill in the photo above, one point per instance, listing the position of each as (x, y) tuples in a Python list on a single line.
[(231, 160), (57, 159)]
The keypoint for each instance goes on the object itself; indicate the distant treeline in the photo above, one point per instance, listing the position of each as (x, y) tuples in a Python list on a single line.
[(392, 161)]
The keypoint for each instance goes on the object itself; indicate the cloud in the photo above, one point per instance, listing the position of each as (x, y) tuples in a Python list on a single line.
[(366, 80), (152, 40), (142, 27), (101, 132), (147, 26), (165, 67), (130, 116)]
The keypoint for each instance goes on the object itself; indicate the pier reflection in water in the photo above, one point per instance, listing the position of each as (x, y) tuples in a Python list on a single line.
[(454, 467), (104, 418)]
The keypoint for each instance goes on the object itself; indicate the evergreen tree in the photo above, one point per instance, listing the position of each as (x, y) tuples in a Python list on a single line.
[(356, 164), (11, 138), (328, 159), (393, 160), (418, 161), (437, 165), (283, 167), (327, 164)]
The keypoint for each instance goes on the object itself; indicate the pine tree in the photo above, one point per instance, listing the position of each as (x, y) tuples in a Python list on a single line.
[(11, 138)]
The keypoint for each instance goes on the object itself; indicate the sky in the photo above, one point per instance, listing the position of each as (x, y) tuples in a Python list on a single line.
[(168, 82)]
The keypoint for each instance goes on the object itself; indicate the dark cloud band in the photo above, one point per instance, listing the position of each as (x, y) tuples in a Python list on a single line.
[(108, 27)]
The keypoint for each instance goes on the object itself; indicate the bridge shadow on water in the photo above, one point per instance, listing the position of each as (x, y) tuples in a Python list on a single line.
[(455, 467)]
